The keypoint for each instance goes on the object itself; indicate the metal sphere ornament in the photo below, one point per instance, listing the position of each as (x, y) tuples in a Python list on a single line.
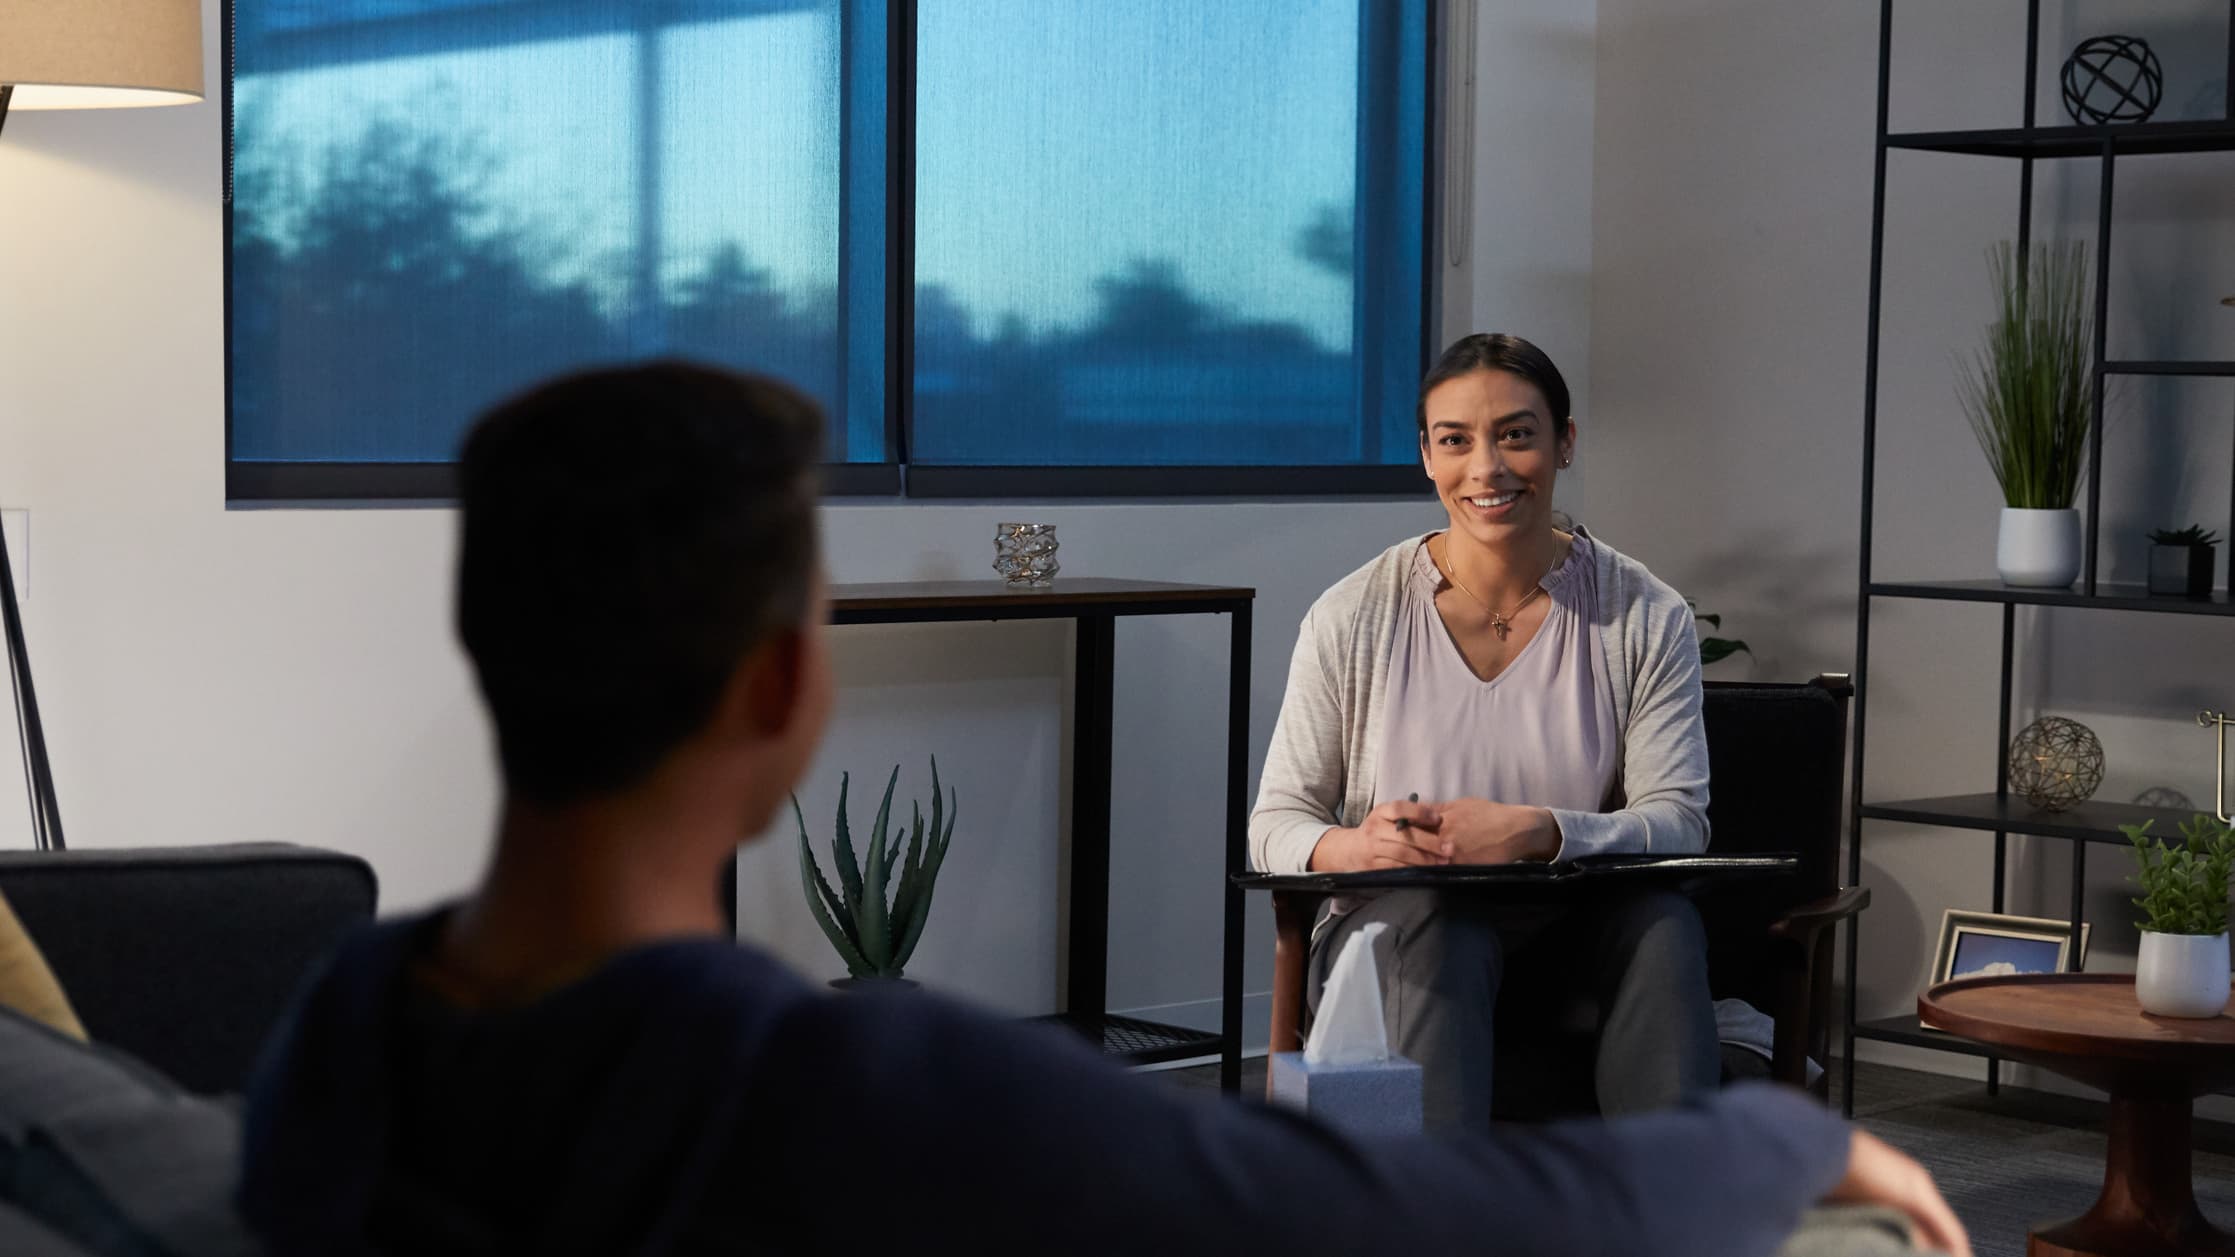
[(2112, 78), (2056, 763)]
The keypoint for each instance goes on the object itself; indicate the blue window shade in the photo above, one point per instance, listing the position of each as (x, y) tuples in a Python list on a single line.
[(1097, 241), (435, 203), (1168, 232)]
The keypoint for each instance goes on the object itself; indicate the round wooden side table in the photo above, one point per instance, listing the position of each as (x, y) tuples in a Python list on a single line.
[(2087, 1027)]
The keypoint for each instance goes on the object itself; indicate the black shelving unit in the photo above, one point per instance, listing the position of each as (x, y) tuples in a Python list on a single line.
[(1996, 812)]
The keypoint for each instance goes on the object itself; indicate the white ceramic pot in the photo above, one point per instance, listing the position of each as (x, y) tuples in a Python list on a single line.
[(2038, 549), (2182, 975)]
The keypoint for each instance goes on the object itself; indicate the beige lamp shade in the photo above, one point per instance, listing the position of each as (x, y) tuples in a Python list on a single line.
[(100, 54)]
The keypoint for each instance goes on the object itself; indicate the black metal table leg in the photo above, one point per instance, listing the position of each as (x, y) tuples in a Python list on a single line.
[(1086, 988), (1237, 850)]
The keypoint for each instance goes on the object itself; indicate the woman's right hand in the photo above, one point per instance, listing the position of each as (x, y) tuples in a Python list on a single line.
[(1382, 843)]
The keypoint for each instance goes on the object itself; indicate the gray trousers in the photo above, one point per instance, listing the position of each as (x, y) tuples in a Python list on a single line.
[(1446, 961)]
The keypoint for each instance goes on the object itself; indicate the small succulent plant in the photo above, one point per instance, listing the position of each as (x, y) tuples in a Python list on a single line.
[(2184, 884), (2193, 535), (876, 915)]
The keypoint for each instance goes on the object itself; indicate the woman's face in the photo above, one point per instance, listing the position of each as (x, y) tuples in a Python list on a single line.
[(1493, 449)]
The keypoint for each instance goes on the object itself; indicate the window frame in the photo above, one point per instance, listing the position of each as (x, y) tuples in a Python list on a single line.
[(266, 483)]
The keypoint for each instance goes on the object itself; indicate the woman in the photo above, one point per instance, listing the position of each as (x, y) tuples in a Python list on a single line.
[(1498, 691)]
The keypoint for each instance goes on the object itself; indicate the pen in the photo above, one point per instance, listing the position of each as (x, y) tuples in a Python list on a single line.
[(1402, 823)]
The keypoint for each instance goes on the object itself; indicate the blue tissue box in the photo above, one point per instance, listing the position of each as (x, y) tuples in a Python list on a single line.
[(1378, 1099)]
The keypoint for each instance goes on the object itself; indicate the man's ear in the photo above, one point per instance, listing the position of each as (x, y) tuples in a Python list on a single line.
[(764, 695)]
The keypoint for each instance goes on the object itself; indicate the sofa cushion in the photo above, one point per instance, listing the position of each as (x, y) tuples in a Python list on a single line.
[(22, 1235), (186, 957), (111, 1155), (26, 983)]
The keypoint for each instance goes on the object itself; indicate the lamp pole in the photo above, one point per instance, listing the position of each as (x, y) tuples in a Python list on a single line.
[(82, 54), (31, 733)]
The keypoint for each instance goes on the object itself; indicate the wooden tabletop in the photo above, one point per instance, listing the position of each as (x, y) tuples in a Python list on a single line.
[(994, 594), (2077, 1015)]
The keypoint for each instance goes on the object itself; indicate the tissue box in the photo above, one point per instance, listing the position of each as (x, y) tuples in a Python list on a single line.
[(1382, 1098)]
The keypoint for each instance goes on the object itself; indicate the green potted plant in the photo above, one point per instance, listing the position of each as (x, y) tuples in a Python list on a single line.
[(875, 915), (2028, 393), (2183, 968), (2181, 561), (1715, 649)]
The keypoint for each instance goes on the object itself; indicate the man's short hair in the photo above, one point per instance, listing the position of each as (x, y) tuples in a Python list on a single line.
[(627, 536)]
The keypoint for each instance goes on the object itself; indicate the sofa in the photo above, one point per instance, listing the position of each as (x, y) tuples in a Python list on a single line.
[(179, 961)]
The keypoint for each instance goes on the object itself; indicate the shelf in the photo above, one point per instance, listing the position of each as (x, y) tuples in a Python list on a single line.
[(1138, 1042), (1906, 1030), (2132, 366), (2092, 821), (2132, 139), (2108, 596)]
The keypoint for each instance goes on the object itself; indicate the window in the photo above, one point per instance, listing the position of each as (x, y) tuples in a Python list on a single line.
[(1163, 245)]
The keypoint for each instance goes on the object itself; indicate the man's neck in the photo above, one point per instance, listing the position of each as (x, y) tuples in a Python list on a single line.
[(570, 887)]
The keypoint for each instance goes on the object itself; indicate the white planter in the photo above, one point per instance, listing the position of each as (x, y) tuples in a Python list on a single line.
[(2038, 549), (2182, 975)]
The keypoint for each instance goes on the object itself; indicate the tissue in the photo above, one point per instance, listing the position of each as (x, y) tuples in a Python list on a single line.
[(1346, 1076), (1348, 1029)]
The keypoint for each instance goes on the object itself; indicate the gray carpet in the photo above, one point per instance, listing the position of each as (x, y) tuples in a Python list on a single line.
[(2006, 1163)]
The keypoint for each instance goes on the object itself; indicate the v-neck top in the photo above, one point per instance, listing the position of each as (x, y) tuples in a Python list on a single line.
[(1542, 733)]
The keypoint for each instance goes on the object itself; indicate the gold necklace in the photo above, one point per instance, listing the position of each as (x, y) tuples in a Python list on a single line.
[(1502, 625)]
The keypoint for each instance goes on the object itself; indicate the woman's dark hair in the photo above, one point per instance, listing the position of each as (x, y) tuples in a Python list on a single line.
[(1496, 351), (627, 536)]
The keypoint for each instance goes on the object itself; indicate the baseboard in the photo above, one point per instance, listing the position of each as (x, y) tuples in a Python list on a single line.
[(1203, 1014)]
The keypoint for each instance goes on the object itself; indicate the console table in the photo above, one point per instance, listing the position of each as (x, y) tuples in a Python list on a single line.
[(1093, 606)]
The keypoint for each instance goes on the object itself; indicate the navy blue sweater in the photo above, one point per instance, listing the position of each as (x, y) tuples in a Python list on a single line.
[(694, 1097)]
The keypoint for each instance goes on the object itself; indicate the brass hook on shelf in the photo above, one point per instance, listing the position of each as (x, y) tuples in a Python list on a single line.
[(2207, 719)]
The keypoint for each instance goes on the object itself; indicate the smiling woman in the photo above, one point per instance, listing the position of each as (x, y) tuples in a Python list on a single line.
[(1538, 693)]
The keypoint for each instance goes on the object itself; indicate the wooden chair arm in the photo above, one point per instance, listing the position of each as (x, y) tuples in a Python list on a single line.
[(1803, 923)]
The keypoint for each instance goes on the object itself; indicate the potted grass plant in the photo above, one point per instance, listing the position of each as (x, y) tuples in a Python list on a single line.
[(2027, 393), (2183, 968), (2181, 561), (875, 915)]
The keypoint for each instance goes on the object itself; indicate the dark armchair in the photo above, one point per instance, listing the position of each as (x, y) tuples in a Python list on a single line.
[(1777, 757)]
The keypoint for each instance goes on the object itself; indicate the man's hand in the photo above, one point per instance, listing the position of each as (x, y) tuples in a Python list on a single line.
[(1383, 842), (1877, 1174), (1481, 832)]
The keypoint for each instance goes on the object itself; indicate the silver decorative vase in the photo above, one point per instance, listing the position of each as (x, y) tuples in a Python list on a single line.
[(1024, 554)]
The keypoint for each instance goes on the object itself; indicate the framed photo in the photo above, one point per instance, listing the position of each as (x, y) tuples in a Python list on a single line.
[(1986, 944), (1982, 944)]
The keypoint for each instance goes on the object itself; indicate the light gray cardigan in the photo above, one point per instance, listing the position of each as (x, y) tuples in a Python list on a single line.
[(1319, 770)]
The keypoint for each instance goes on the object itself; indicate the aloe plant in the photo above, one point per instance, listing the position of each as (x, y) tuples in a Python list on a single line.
[(2184, 884), (873, 918)]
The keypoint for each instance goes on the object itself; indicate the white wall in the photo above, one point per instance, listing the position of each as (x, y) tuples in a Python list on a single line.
[(214, 675), (1729, 302)]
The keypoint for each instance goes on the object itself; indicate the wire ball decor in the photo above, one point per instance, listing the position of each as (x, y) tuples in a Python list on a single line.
[(2112, 78), (2056, 763)]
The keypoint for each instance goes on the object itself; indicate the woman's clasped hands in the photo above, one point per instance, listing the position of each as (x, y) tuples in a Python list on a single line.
[(1410, 834)]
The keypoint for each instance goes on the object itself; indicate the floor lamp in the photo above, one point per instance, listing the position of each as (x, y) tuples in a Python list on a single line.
[(82, 54)]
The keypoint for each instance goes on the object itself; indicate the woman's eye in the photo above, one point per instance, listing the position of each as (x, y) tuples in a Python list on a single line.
[(1517, 436)]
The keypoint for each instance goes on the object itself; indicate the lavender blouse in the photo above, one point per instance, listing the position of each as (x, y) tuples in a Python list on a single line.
[(1542, 733)]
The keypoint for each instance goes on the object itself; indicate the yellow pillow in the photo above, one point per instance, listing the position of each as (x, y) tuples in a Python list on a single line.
[(27, 985)]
